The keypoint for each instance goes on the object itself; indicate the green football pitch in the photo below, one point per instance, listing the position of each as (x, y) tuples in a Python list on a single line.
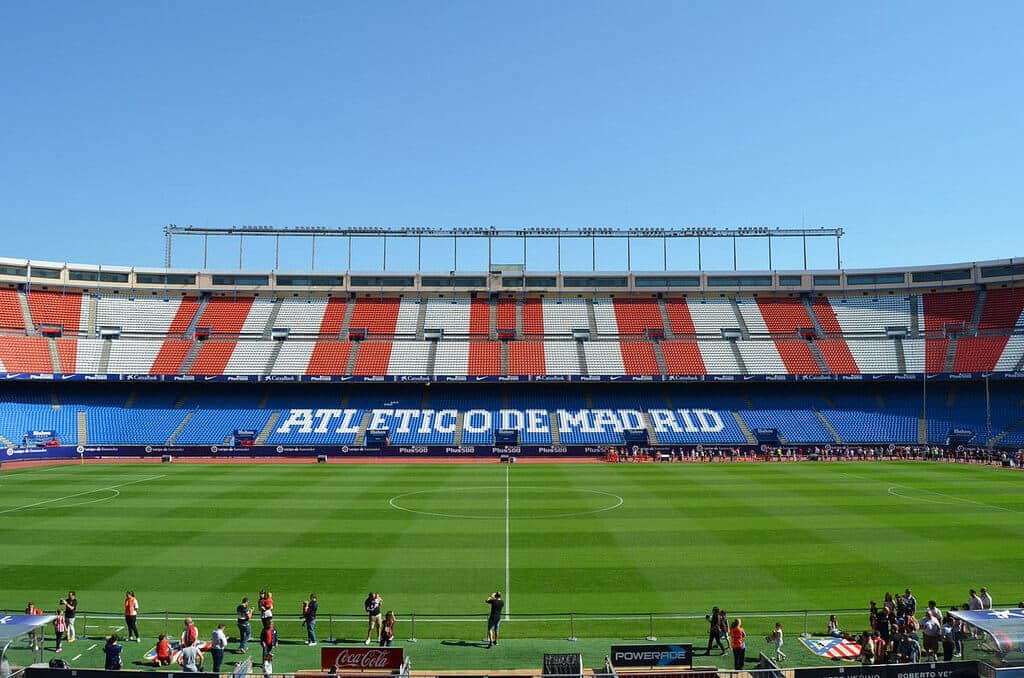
[(630, 550)]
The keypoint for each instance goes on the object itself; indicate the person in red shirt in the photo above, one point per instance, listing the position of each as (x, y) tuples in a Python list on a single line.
[(60, 627), (190, 634), (163, 651), (266, 605), (131, 615), (268, 639)]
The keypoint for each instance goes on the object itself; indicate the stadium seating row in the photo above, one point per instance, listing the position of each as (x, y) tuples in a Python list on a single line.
[(453, 357), (569, 415), (693, 316)]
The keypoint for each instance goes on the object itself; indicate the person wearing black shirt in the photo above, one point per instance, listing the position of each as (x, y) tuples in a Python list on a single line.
[(70, 607), (372, 605), (494, 618), (309, 608), (243, 617)]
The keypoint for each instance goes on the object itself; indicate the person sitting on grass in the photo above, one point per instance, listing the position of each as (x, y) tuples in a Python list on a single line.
[(833, 627), (112, 654)]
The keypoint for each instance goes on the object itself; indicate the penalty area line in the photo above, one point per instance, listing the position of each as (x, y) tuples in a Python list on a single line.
[(79, 494)]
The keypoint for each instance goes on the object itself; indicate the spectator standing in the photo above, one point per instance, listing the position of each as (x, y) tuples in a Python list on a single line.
[(268, 666), (911, 603), (973, 601), (738, 642), (190, 634), (112, 654), (309, 608), (131, 615), (218, 643), (930, 630), (243, 617), (266, 605), (60, 627), (986, 599), (190, 658), (387, 631), (268, 640), (714, 631), (372, 605), (33, 635), (494, 618), (948, 636), (776, 640), (70, 609), (933, 611)]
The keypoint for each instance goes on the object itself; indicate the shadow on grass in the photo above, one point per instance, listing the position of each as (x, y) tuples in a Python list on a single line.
[(464, 643)]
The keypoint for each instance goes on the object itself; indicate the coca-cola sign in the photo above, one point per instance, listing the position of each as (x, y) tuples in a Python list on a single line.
[(360, 658)]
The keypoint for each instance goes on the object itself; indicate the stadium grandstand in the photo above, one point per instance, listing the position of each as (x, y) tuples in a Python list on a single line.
[(928, 355)]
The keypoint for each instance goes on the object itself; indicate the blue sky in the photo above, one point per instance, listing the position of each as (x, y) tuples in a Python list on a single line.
[(902, 122)]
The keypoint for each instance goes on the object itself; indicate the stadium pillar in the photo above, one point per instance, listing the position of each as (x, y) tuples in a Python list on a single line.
[(385, 253), (277, 251), (241, 239), (206, 248), (804, 238), (700, 265), (312, 254), (769, 252), (350, 254), (664, 254), (735, 267)]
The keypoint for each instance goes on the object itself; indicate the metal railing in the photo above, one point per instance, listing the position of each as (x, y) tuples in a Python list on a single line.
[(340, 628)]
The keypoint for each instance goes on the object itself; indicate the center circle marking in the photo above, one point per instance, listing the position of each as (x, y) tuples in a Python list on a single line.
[(613, 502)]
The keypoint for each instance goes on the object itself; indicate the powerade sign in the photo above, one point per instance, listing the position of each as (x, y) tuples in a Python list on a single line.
[(314, 422), (652, 655)]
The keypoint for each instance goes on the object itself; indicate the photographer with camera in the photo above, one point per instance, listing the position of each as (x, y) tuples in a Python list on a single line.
[(494, 617), (309, 608), (372, 605), (70, 607)]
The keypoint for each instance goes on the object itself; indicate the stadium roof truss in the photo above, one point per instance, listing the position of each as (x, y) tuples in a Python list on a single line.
[(491, 234)]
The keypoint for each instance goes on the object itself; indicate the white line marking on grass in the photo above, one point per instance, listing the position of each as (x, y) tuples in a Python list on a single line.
[(508, 526), (956, 500), (395, 502), (79, 494), (92, 647), (75, 658)]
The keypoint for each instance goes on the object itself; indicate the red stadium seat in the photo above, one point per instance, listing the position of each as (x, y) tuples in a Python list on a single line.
[(638, 358), (797, 357), (526, 357), (56, 308), (329, 358), (225, 316), (683, 357), (679, 317), (836, 353), (213, 357), (25, 354), (373, 357), (634, 316), (484, 358), (376, 316), (171, 356), (10, 311)]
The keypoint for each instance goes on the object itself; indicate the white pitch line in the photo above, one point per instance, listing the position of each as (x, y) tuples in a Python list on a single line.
[(79, 494), (92, 647), (75, 658), (508, 525)]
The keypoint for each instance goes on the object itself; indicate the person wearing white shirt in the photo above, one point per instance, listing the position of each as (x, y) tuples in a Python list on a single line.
[(986, 599), (974, 602), (268, 667), (218, 643)]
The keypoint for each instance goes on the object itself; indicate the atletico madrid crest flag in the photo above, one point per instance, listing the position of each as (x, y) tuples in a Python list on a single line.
[(832, 648)]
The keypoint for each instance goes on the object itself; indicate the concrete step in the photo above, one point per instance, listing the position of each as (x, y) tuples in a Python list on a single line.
[(268, 428), (83, 428), (582, 357), (51, 344), (819, 358), (26, 314), (740, 322), (347, 320), (652, 435), (979, 306), (743, 428), (190, 357), (806, 299), (352, 354), (659, 357), (181, 427), (421, 318), (922, 431), (191, 329), (275, 351), (739, 357), (664, 317), (361, 433), (828, 427), (901, 356), (272, 319), (105, 356), (504, 358), (555, 437), (950, 354), (90, 327)]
